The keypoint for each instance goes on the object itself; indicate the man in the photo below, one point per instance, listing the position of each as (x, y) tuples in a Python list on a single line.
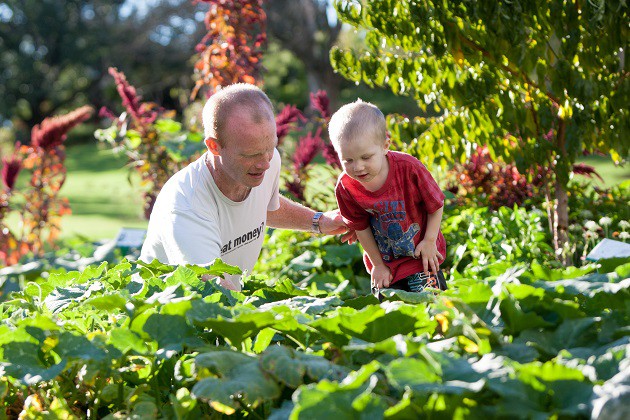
[(219, 205)]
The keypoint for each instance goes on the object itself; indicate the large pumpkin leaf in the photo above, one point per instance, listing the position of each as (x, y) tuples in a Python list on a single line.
[(306, 304), (289, 366), (25, 363), (351, 399), (239, 379)]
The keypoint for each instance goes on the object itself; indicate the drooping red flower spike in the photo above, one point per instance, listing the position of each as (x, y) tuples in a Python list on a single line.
[(284, 120), (52, 131), (140, 112), (331, 156), (321, 103), (11, 167), (306, 149)]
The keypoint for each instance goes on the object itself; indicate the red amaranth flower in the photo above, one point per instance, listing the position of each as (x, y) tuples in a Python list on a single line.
[(586, 170), (289, 115), (11, 167), (320, 102), (141, 113), (306, 150), (105, 112), (296, 188), (52, 131), (331, 155)]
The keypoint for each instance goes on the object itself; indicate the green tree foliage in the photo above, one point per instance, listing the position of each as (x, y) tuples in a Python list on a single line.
[(304, 28), (54, 54), (538, 82)]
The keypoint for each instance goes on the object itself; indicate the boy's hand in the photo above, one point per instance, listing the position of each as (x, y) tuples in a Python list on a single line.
[(427, 250), (381, 276)]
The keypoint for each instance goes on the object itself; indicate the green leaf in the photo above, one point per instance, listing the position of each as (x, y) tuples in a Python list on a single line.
[(168, 126), (548, 371), (78, 347), (25, 363), (61, 298), (108, 303), (171, 332), (373, 323), (361, 301), (410, 372), (290, 366), (516, 319), (239, 378), (263, 339), (240, 326), (623, 271), (341, 255), (282, 364), (306, 304), (609, 265), (127, 341), (354, 398)]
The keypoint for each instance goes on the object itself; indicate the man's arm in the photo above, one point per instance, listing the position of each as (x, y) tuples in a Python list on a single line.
[(292, 215)]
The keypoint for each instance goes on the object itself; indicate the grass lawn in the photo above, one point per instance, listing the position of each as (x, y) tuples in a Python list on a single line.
[(611, 174), (100, 195)]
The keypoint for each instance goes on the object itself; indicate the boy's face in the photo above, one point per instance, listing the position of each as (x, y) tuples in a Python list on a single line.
[(365, 159)]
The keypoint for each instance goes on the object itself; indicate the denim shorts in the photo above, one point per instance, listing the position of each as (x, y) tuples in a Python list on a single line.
[(417, 282)]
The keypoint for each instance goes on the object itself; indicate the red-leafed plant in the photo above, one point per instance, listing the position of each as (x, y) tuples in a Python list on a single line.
[(313, 143), (483, 180), (40, 208), (231, 51), (155, 145)]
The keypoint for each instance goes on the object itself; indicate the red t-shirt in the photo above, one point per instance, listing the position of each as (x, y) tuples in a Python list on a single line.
[(397, 212)]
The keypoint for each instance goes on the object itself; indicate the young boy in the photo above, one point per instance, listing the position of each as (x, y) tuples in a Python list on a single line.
[(390, 199)]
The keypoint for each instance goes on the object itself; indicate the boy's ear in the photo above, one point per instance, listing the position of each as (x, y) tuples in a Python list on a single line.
[(388, 143), (212, 145)]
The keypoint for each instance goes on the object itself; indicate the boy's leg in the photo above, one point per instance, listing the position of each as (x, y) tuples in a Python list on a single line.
[(419, 281)]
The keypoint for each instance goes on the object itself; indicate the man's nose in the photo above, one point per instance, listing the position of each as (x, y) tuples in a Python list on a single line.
[(264, 163)]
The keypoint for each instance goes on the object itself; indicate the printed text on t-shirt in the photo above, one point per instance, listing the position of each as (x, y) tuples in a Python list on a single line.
[(242, 240)]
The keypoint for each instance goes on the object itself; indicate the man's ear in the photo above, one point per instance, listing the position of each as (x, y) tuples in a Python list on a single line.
[(212, 145)]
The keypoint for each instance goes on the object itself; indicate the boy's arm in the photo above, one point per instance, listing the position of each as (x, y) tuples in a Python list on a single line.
[(381, 276), (427, 248)]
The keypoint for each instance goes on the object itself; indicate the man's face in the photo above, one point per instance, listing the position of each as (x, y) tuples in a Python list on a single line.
[(246, 150)]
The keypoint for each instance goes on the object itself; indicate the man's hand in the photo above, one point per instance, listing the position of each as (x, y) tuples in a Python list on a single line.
[(331, 223), (381, 276), (427, 250), (226, 284)]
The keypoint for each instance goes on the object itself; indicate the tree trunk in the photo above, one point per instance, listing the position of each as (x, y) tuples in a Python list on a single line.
[(561, 207), (561, 225)]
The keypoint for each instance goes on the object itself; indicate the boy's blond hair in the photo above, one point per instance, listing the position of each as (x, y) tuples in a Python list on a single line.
[(357, 119)]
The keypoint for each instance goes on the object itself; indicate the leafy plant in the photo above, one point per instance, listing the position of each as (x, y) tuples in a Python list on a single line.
[(39, 205), (231, 51), (157, 146), (154, 340), (539, 83), (482, 181)]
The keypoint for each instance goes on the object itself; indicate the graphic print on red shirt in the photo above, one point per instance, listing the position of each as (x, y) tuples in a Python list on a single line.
[(396, 213)]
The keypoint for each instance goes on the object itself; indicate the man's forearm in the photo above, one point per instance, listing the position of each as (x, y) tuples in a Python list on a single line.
[(290, 215)]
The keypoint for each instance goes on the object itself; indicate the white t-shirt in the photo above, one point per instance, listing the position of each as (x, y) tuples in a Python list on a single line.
[(192, 222)]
